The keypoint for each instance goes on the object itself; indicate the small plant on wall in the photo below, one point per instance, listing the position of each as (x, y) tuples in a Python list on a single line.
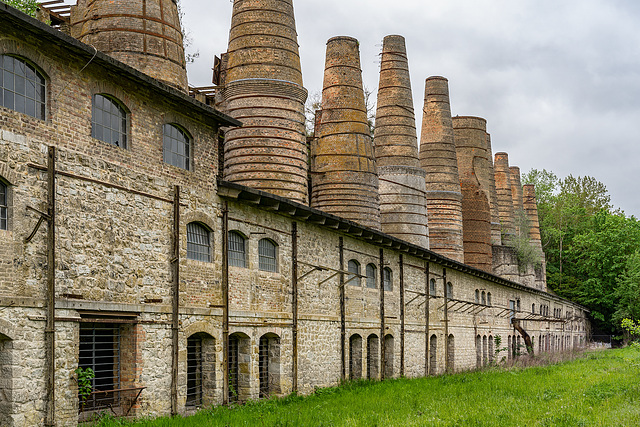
[(85, 385)]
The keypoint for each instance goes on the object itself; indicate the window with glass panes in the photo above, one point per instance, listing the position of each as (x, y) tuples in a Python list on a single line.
[(22, 87), (432, 287), (3, 206), (371, 276), (237, 253), (109, 121), (267, 255), (176, 146), (388, 285), (353, 267), (198, 246)]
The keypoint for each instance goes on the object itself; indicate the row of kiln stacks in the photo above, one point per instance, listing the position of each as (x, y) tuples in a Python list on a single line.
[(449, 195)]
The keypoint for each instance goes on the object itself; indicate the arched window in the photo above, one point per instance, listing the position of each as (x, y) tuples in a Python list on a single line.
[(198, 245), (353, 267), (201, 369), (22, 87), (449, 290), (109, 120), (484, 298), (371, 276), (267, 255), (3, 207), (477, 296), (533, 308), (176, 146), (489, 298), (518, 305), (387, 279), (432, 287), (237, 251)]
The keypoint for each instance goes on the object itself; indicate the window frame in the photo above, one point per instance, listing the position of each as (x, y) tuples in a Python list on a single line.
[(4, 206), (267, 262), (39, 82), (448, 290), (124, 120), (236, 261), (387, 279), (372, 276), (433, 291), (198, 229), (350, 276), (188, 146), (194, 393)]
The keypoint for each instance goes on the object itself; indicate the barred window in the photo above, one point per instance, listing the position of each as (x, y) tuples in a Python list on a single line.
[(198, 246), (387, 279), (267, 260), (194, 370), (353, 267), (109, 121), (237, 253), (22, 87), (176, 146), (3, 206), (432, 287), (371, 276)]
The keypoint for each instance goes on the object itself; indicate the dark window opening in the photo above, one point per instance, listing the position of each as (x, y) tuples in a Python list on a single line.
[(22, 87), (233, 368), (198, 245), (267, 256), (237, 253), (432, 287), (109, 121), (3, 207), (371, 276), (194, 371), (353, 267), (176, 146), (387, 278)]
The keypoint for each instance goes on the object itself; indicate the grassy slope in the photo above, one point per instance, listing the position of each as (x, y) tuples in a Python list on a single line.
[(602, 389)]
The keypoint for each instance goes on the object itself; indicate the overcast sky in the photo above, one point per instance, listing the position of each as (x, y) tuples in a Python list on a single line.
[(557, 80)]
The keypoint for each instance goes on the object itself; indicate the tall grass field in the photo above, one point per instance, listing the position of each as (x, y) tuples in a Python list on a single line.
[(600, 388)]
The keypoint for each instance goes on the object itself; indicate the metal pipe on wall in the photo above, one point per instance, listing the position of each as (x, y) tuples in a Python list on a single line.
[(225, 303), (50, 329), (401, 315), (382, 341), (176, 301), (343, 327), (294, 290)]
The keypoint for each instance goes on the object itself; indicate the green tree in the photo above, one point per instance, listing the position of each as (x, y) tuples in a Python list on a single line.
[(627, 294), (30, 7)]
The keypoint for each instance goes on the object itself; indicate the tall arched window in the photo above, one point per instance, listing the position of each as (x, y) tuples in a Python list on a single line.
[(388, 279), (237, 251), (449, 290), (484, 298), (22, 87), (371, 276), (489, 298), (267, 255), (109, 120), (432, 287), (3, 207), (353, 267), (198, 244), (176, 146), (477, 296)]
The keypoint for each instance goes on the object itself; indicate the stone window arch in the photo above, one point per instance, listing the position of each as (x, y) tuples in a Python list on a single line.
[(533, 308), (353, 267), (269, 365), (371, 276), (449, 290), (198, 242), (237, 249), (484, 298), (373, 350), (176, 146), (23, 87), (201, 370), (478, 351), (109, 120), (489, 299), (387, 277), (477, 296), (451, 353), (267, 255), (484, 351), (491, 349), (355, 357)]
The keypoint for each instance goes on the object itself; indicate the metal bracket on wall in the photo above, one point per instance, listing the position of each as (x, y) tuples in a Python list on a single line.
[(43, 217)]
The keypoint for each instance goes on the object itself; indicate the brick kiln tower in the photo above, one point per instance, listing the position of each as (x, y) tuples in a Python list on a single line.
[(516, 194), (403, 203), (144, 34), (344, 175), (531, 208), (439, 161), (496, 232), (505, 198), (263, 89), (470, 135)]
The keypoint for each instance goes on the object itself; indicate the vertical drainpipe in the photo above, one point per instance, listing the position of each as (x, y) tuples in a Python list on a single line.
[(176, 301), (343, 326), (225, 303), (446, 321), (401, 315), (427, 297), (50, 337), (294, 309), (382, 343)]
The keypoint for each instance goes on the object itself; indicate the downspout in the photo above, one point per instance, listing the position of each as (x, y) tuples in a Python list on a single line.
[(343, 326), (225, 303), (50, 330), (382, 343), (427, 332), (446, 321), (401, 315), (294, 308), (176, 301)]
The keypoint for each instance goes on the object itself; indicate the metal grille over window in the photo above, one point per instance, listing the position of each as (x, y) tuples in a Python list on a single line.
[(109, 121), (176, 146), (3, 206), (233, 369), (388, 285), (194, 371), (267, 255), (371, 276), (237, 254), (198, 247), (22, 87), (263, 367), (354, 268), (100, 351)]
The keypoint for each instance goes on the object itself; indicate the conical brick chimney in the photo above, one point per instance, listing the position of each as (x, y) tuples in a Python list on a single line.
[(531, 208), (263, 89), (403, 204), (516, 194), (144, 34), (439, 161), (496, 233), (344, 175), (505, 198)]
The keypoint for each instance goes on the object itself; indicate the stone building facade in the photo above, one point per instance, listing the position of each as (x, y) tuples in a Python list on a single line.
[(123, 250)]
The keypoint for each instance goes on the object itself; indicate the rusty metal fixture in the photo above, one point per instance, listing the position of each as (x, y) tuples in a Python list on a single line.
[(496, 233), (344, 174), (263, 89), (516, 193), (505, 198), (477, 227), (144, 34), (439, 161), (403, 204)]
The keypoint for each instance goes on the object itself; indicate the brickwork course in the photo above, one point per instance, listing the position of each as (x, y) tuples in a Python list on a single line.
[(496, 232), (188, 320), (505, 198), (516, 193), (403, 203), (439, 161)]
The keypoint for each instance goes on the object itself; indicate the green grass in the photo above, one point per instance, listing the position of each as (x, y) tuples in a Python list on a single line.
[(600, 389)]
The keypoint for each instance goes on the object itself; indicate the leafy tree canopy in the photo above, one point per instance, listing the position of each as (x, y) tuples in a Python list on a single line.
[(30, 7)]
